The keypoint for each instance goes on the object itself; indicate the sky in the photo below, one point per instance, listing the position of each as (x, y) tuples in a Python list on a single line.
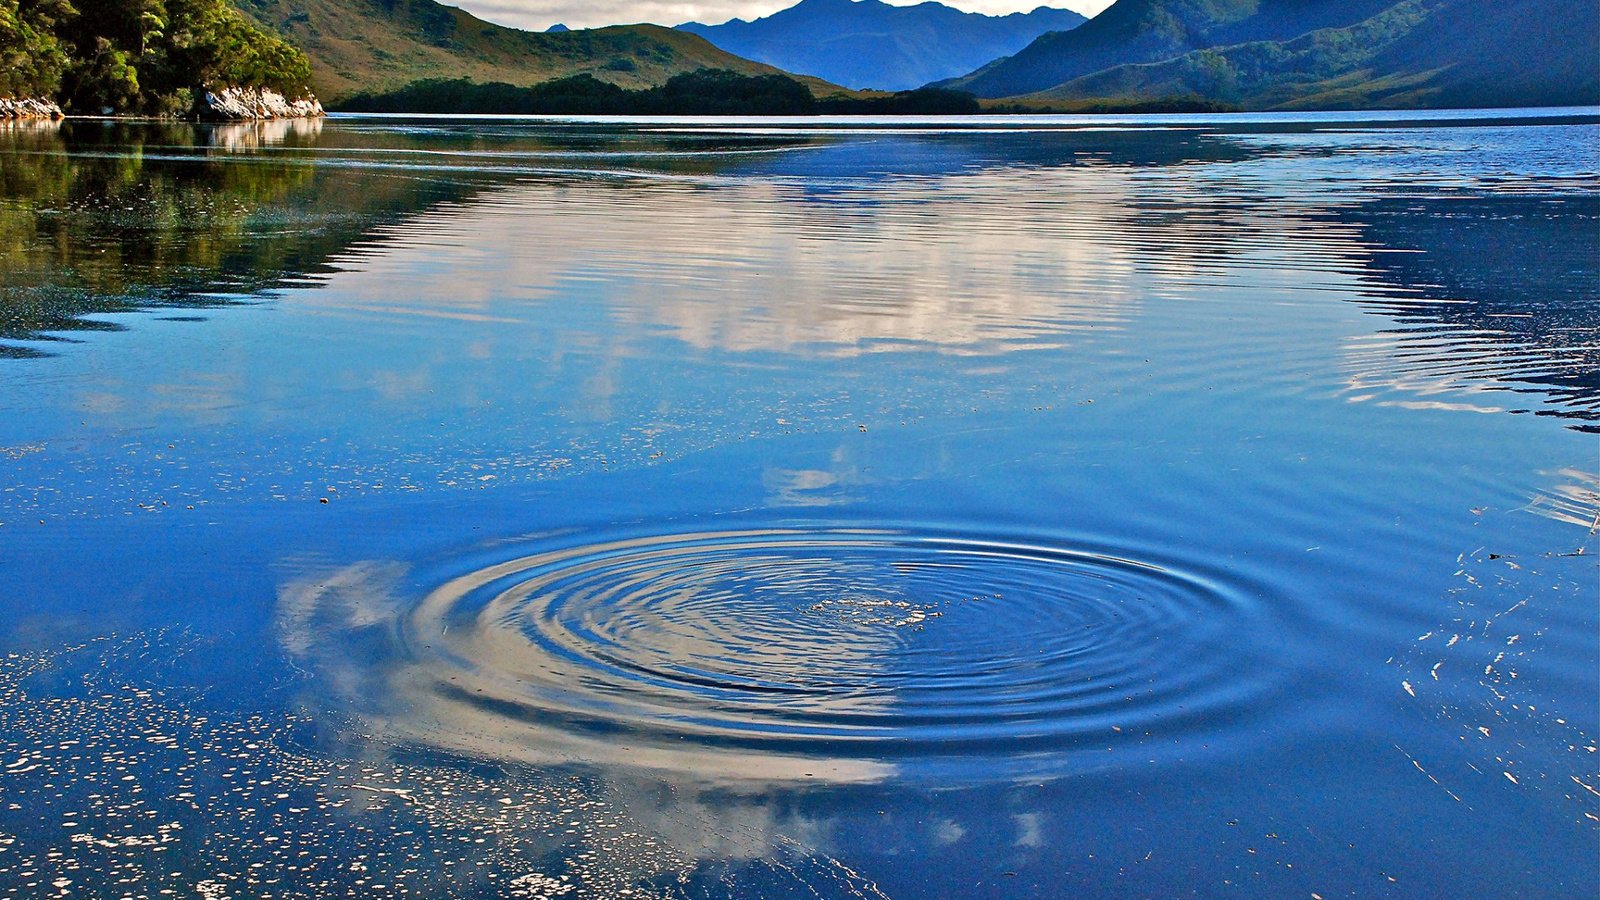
[(538, 15)]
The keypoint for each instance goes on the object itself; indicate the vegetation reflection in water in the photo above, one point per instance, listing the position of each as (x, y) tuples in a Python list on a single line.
[(788, 511)]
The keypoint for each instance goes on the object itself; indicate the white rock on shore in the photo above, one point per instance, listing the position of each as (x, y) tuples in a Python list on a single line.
[(243, 104), (28, 109)]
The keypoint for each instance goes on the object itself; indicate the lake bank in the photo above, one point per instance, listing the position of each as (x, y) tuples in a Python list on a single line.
[(14, 109)]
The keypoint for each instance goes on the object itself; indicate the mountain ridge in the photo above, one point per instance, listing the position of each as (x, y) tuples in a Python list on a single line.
[(1391, 54), (1148, 31), (376, 45), (873, 45)]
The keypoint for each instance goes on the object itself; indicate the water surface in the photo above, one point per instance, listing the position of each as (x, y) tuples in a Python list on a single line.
[(1007, 507)]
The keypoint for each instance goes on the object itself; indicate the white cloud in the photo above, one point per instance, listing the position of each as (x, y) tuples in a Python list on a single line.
[(541, 14)]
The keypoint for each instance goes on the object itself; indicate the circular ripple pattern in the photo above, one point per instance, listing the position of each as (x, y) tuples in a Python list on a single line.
[(868, 650)]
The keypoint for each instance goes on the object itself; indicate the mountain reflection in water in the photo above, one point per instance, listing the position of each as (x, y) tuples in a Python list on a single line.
[(1493, 293), (110, 218)]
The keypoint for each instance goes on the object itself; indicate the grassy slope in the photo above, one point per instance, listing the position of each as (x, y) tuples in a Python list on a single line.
[(1418, 53), (379, 45)]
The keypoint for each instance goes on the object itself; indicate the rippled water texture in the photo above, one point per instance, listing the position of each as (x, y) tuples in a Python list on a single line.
[(1007, 507), (833, 654)]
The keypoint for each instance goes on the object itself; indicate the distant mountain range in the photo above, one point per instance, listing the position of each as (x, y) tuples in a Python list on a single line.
[(870, 44), (1147, 31), (1270, 54), (1138, 54), (380, 45), (1249, 54)]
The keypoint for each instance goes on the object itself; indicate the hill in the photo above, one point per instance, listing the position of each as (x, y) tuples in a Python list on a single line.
[(381, 45), (1146, 31), (870, 44), (1419, 53)]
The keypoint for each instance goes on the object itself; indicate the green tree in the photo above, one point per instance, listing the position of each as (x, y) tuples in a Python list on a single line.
[(151, 23), (214, 46), (33, 57), (150, 56), (106, 80)]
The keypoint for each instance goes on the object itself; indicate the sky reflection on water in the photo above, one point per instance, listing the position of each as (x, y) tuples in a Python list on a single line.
[(777, 511)]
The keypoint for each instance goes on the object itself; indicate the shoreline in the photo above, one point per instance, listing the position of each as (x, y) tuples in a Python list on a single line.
[(254, 105), (29, 109), (222, 106), (1551, 114)]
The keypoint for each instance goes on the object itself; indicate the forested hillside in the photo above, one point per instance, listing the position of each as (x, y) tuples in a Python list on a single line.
[(153, 57), (139, 56), (1288, 54), (1418, 53), (1142, 31), (708, 92)]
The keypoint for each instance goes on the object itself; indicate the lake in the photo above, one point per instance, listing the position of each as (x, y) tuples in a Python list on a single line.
[(995, 507)]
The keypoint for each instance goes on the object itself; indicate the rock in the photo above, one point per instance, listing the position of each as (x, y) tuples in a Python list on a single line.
[(26, 108), (245, 104)]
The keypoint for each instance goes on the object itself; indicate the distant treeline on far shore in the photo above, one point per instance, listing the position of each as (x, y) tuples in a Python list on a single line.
[(708, 92)]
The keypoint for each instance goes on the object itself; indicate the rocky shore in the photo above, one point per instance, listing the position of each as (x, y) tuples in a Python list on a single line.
[(28, 109), (228, 105), (249, 104)]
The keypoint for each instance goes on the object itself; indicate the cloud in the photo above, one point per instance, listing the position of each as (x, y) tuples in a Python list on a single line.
[(538, 15)]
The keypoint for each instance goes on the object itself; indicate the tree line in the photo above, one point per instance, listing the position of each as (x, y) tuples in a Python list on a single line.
[(708, 92), (143, 57)]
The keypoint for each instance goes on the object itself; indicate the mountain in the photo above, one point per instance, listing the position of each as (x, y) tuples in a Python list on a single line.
[(1147, 31), (870, 44), (380, 45), (1287, 54), (1421, 53)]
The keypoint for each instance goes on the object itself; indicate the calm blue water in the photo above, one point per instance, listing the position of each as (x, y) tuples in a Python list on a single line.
[(1045, 507)]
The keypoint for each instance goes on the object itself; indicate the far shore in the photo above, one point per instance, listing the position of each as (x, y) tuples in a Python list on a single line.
[(1553, 114)]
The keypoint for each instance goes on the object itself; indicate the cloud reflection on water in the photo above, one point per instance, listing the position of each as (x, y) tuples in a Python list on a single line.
[(347, 626)]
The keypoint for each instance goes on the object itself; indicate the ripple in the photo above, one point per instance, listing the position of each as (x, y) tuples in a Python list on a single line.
[(832, 653)]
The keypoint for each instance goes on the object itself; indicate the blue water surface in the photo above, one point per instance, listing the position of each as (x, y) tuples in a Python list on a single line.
[(1000, 507)]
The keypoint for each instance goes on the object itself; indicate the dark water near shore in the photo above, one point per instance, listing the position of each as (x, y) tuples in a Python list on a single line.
[(1046, 508)]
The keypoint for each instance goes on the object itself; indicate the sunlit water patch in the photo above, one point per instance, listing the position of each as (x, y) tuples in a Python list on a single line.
[(112, 785), (792, 654)]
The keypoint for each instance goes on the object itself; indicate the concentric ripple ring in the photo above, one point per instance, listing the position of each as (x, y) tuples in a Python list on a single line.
[(845, 653)]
